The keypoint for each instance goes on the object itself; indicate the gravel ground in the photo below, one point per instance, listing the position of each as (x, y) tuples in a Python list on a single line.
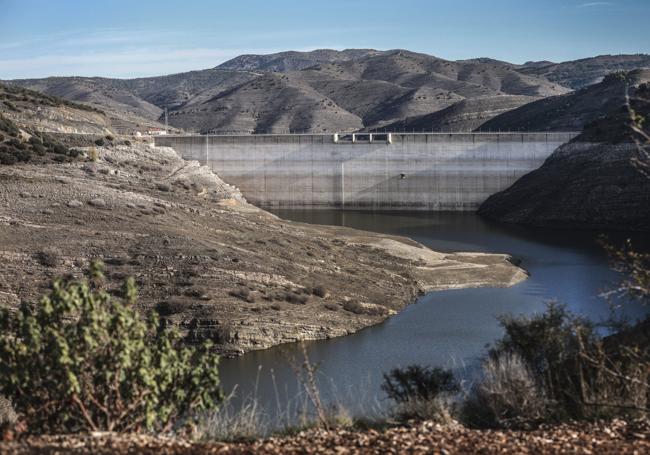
[(616, 437)]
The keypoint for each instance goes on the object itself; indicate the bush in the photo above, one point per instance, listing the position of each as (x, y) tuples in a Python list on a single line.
[(8, 126), (296, 299), (59, 149), (420, 383), (39, 149), (577, 373), (99, 142), (81, 360), (419, 392), (49, 257), (11, 106), (7, 158), (109, 138), (507, 396), (319, 291)]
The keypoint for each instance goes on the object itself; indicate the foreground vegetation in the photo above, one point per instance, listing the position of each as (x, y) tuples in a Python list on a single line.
[(83, 360)]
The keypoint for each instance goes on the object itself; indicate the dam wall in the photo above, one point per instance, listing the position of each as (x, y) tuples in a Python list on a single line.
[(394, 171)]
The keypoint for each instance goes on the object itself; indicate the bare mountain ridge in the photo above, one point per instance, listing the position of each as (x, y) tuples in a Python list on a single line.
[(465, 115), (293, 60), (578, 74), (573, 111), (371, 91), (327, 90)]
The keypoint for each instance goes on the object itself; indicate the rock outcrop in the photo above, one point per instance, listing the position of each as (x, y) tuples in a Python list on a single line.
[(581, 185)]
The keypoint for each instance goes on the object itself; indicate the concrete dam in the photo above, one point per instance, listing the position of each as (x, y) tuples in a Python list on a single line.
[(388, 171)]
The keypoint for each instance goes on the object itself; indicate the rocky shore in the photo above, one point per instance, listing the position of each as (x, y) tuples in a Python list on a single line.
[(205, 259)]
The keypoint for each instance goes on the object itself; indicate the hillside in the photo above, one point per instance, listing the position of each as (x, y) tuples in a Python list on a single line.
[(593, 182), (316, 91), (30, 109), (327, 90), (346, 95), (125, 110), (578, 74), (570, 112), (465, 115)]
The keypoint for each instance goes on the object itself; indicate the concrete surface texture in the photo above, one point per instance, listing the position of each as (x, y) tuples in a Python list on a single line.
[(403, 171)]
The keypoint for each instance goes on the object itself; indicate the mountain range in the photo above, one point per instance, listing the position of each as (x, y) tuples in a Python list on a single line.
[(355, 89)]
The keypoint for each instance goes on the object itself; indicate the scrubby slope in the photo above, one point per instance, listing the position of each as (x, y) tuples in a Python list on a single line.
[(570, 112), (577, 74), (595, 181), (465, 115)]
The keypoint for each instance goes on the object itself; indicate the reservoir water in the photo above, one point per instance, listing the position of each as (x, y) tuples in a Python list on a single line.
[(447, 328)]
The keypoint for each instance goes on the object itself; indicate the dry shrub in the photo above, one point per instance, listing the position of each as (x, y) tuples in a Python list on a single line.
[(439, 410), (506, 396), (232, 424), (49, 257), (296, 299), (243, 294), (421, 393), (555, 367), (370, 309), (319, 291)]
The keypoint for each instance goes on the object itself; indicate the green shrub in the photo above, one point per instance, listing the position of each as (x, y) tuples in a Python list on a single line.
[(59, 149), (60, 159), (8, 126), (11, 106), (319, 291), (35, 140), (39, 149), (7, 158), (15, 143), (81, 360), (10, 155), (99, 142)]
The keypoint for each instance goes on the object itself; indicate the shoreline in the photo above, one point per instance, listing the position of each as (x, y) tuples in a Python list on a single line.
[(212, 264)]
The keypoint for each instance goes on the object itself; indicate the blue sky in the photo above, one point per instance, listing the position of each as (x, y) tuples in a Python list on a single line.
[(144, 38)]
